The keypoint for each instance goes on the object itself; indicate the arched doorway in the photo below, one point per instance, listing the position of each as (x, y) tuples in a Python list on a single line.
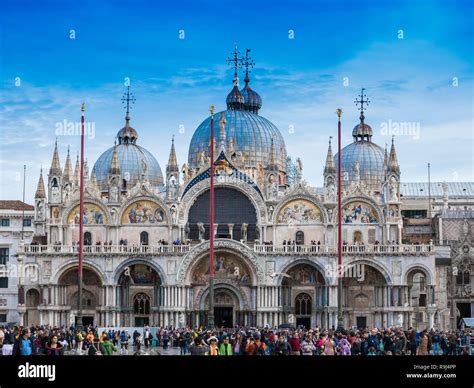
[(233, 281), (225, 306), (139, 292), (141, 309), (32, 302), (418, 297), (91, 293), (305, 295), (364, 296), (231, 207), (303, 307)]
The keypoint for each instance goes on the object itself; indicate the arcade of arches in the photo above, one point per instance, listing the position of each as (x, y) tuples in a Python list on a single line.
[(302, 297)]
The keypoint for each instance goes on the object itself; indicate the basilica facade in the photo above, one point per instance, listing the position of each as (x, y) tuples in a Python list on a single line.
[(146, 235)]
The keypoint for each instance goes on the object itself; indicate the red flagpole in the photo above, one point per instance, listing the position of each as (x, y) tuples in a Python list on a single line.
[(211, 228), (340, 319), (211, 238), (81, 226)]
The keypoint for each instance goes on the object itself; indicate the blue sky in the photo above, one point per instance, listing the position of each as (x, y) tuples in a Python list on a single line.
[(423, 81)]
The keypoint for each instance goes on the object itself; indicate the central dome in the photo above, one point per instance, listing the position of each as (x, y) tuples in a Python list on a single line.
[(251, 134)]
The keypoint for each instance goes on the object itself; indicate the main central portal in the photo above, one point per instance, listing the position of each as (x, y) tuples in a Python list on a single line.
[(223, 316)]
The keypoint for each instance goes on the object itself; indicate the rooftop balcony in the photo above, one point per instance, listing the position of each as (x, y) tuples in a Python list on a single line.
[(321, 250), (261, 249), (100, 250)]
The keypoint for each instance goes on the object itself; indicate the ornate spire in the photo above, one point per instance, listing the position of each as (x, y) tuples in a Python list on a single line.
[(172, 165), (67, 173), (127, 134), (126, 100), (330, 167), (235, 100), (86, 170), (222, 132), (115, 164), (362, 102), (362, 131), (94, 185), (248, 63), (55, 164), (392, 159), (77, 170), (252, 100), (40, 192), (272, 165)]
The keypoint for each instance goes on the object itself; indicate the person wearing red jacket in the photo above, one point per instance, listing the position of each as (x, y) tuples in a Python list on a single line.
[(294, 342)]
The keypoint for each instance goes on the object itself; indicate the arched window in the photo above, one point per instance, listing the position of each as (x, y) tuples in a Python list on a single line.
[(417, 283), (299, 237), (357, 237), (303, 304), (144, 238), (231, 207), (463, 278), (141, 304), (87, 238)]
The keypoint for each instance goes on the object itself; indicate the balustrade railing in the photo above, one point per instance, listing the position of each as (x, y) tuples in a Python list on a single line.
[(103, 249), (350, 249)]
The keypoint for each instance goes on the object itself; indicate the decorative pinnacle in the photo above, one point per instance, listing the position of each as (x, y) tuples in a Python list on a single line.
[(126, 100), (212, 109), (249, 64), (236, 62), (339, 112), (362, 102), (83, 108)]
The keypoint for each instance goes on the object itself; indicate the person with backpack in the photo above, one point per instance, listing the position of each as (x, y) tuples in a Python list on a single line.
[(260, 347), (106, 347), (199, 347), (124, 338), (24, 344)]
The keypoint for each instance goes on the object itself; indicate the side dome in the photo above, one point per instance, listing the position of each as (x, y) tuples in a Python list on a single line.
[(370, 159), (134, 162), (249, 133)]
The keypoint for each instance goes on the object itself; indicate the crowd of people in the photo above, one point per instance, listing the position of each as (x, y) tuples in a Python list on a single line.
[(55, 341)]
